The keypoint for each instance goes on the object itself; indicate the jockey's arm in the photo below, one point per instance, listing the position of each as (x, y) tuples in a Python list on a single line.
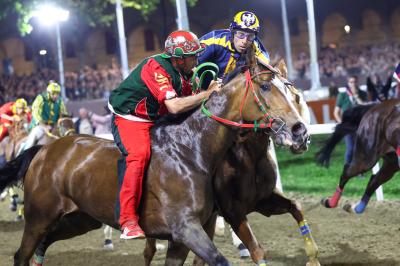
[(37, 107), (182, 104), (261, 54), (5, 116), (63, 109)]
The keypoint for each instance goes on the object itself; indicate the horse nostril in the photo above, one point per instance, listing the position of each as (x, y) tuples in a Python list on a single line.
[(299, 129)]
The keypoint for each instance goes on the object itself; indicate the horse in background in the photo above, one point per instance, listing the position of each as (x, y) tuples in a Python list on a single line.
[(178, 192), (377, 129), (14, 144), (249, 166), (19, 133)]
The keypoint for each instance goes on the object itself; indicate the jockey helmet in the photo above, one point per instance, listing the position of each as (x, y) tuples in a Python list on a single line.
[(182, 43), (245, 20), (19, 103), (53, 87)]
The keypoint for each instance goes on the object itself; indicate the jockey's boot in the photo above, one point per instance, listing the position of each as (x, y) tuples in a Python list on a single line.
[(132, 230)]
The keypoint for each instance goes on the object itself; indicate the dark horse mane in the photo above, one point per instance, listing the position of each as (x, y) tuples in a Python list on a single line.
[(350, 121), (177, 119)]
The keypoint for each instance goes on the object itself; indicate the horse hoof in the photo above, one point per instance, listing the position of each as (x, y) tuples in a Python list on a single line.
[(160, 247), (108, 245), (325, 203), (313, 262), (19, 218), (348, 208)]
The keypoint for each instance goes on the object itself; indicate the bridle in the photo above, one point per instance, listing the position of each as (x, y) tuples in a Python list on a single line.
[(60, 135), (269, 120)]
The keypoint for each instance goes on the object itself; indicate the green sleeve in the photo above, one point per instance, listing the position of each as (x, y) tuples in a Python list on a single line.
[(37, 107), (339, 100)]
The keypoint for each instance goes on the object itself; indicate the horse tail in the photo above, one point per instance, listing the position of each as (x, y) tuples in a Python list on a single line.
[(351, 121), (15, 170)]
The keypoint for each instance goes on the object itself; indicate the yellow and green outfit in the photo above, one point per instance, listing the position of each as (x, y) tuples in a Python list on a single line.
[(44, 112)]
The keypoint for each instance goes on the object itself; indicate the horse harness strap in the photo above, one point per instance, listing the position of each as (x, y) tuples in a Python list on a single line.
[(256, 125)]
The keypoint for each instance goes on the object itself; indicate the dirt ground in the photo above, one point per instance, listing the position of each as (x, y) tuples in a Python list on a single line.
[(343, 239)]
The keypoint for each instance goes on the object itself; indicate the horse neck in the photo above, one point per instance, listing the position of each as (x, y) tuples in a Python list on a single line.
[(208, 139)]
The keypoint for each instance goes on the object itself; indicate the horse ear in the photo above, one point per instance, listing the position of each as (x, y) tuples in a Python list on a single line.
[(251, 60), (282, 68)]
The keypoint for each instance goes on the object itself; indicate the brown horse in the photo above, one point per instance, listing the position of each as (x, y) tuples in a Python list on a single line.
[(377, 129), (64, 182), (247, 167)]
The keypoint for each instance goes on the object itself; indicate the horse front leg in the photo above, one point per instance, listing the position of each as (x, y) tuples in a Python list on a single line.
[(389, 168), (209, 227), (279, 204), (243, 231), (192, 235)]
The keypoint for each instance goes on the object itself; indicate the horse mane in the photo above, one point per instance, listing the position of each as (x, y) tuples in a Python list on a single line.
[(350, 122), (234, 73)]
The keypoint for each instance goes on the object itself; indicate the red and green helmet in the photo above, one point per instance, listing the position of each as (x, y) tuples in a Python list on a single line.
[(182, 43)]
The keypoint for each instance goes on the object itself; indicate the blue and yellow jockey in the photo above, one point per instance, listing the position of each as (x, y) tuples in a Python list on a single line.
[(47, 108), (227, 47)]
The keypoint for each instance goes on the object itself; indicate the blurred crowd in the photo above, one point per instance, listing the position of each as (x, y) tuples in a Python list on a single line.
[(88, 83), (341, 62), (376, 62)]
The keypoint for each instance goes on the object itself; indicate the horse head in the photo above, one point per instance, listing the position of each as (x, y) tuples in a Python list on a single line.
[(287, 110), (18, 129), (65, 126)]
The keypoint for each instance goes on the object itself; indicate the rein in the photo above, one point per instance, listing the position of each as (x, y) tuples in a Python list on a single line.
[(256, 125), (69, 131)]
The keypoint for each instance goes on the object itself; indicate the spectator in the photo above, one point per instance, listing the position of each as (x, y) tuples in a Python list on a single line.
[(349, 97), (101, 123), (83, 125)]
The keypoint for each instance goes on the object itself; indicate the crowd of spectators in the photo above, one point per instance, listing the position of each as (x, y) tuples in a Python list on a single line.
[(88, 83), (97, 82), (341, 62)]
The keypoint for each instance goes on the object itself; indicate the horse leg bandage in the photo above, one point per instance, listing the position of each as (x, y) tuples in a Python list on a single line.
[(398, 155), (360, 207), (335, 198)]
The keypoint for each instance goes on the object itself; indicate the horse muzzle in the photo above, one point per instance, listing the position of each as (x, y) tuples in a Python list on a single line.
[(300, 137)]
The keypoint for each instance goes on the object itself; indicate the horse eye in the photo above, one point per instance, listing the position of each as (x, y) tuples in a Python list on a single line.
[(265, 87)]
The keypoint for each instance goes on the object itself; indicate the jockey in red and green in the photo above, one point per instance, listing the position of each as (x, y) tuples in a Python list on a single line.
[(158, 85), (13, 112)]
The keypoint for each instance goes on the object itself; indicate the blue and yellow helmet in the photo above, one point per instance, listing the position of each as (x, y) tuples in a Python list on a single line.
[(53, 87), (245, 20)]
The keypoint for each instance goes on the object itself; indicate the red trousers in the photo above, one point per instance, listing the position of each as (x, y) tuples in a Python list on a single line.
[(135, 139)]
